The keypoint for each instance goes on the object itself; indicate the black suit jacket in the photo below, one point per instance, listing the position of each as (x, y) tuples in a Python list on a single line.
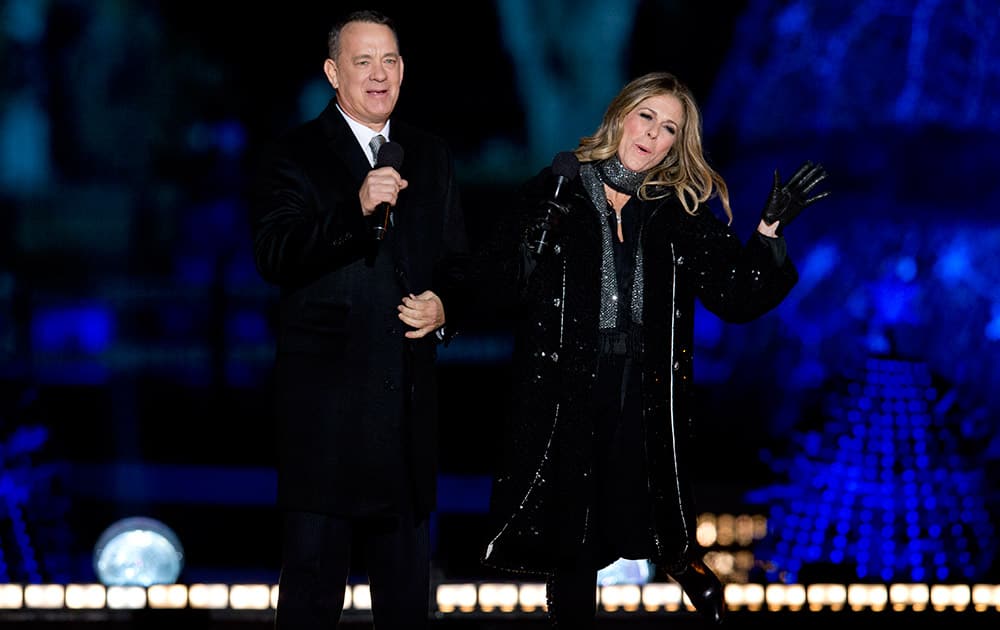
[(356, 402)]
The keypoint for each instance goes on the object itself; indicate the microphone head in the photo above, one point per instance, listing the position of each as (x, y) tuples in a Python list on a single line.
[(564, 164), (390, 154)]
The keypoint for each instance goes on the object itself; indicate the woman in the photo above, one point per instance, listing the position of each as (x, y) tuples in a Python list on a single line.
[(605, 268)]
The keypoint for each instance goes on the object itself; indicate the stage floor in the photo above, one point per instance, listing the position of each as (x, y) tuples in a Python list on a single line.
[(262, 620)]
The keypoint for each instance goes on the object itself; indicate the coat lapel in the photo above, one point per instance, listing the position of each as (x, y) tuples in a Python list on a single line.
[(342, 142)]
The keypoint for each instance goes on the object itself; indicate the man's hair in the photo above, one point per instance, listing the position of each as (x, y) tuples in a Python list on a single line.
[(372, 17)]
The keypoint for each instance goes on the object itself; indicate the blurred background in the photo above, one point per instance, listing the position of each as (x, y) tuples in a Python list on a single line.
[(859, 418)]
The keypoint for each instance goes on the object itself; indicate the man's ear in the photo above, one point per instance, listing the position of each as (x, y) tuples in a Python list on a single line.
[(330, 70)]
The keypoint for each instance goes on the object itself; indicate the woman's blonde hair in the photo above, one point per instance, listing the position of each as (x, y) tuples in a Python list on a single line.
[(684, 170)]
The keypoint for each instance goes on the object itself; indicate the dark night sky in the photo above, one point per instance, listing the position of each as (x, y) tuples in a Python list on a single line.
[(459, 78)]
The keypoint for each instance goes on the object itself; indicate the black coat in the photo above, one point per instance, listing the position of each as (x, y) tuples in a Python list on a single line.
[(541, 490), (354, 399)]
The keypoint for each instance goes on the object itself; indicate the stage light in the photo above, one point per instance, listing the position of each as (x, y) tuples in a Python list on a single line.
[(11, 596), (126, 597), (871, 596), (138, 551), (738, 596), (452, 597), (662, 596), (44, 595), (956, 596), (168, 596), (779, 596), (80, 596), (621, 596), (250, 596), (531, 597), (986, 596), (826, 595), (500, 596), (208, 596)]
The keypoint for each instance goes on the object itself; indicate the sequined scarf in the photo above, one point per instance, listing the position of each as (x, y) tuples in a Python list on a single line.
[(593, 183), (621, 178)]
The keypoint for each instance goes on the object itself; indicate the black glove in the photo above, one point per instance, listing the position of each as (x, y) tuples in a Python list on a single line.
[(786, 202), (541, 228)]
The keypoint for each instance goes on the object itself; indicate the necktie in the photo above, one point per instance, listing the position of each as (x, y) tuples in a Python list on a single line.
[(376, 144)]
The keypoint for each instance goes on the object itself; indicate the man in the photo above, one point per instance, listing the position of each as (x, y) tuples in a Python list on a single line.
[(359, 320)]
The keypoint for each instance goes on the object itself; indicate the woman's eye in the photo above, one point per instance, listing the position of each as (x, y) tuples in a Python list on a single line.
[(645, 116)]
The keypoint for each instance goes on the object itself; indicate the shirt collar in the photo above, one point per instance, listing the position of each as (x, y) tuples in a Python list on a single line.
[(363, 134)]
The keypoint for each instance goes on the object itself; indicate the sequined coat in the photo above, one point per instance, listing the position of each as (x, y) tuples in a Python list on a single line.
[(539, 512)]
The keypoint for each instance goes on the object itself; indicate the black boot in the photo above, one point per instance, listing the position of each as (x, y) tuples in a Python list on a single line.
[(704, 590)]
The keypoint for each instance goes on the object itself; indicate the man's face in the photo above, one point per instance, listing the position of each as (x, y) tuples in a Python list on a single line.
[(367, 73)]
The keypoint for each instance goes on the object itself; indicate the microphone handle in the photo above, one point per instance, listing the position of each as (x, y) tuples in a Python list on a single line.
[(543, 238), (380, 230)]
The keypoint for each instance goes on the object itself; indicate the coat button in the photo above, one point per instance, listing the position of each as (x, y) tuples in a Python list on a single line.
[(677, 365)]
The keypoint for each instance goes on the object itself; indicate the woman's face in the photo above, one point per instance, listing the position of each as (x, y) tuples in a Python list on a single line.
[(649, 131)]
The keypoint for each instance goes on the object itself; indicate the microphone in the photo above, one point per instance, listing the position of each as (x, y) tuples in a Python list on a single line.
[(389, 154), (565, 166)]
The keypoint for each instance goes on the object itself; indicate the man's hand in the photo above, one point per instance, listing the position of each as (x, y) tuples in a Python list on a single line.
[(381, 185), (424, 312), (786, 202)]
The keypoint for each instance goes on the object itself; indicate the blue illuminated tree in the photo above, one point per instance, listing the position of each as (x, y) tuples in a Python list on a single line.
[(885, 488), (890, 477)]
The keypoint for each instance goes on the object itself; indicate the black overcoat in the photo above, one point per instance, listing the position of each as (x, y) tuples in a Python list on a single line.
[(355, 400), (539, 503)]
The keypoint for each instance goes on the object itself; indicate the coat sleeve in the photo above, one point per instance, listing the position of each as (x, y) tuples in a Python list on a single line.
[(737, 281), (299, 234)]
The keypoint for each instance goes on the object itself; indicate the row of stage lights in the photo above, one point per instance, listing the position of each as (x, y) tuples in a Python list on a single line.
[(502, 598)]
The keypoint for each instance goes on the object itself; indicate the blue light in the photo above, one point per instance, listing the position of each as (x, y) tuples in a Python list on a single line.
[(992, 331), (72, 329), (247, 326), (230, 136), (954, 264)]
